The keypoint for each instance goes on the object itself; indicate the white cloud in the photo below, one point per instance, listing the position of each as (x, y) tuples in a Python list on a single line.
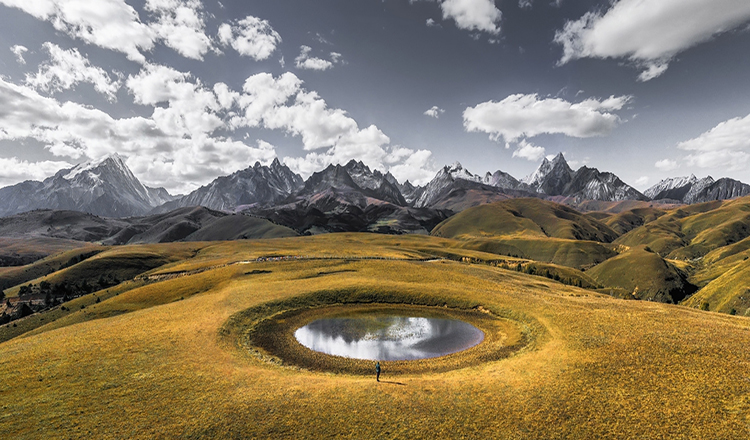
[(430, 23), (18, 51), (434, 112), (642, 182), (414, 167), (251, 37), (527, 4), (305, 61), (473, 15), (525, 116), (649, 34), (66, 68), (14, 170), (192, 109), (180, 24), (528, 151), (179, 147), (170, 149), (727, 145), (666, 165), (329, 134), (111, 24), (336, 57)]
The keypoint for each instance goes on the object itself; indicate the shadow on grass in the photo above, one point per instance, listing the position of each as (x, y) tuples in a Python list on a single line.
[(393, 383)]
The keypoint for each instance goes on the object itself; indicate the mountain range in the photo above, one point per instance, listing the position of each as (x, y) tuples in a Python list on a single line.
[(106, 188), (350, 197)]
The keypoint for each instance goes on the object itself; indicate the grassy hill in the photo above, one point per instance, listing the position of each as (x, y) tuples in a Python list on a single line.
[(692, 231), (727, 293), (628, 220), (165, 356), (645, 274), (524, 217)]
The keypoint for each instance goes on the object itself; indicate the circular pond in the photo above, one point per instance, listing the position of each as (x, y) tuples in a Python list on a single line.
[(388, 337)]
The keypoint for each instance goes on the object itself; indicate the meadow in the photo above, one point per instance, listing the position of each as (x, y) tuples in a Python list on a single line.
[(170, 352)]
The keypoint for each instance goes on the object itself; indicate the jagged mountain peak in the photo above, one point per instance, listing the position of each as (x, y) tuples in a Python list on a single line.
[(551, 177)]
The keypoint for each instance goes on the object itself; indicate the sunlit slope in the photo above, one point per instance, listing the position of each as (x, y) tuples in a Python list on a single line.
[(645, 274), (627, 221), (14, 275), (598, 367), (729, 293), (533, 229), (571, 253), (115, 264), (524, 217), (693, 231)]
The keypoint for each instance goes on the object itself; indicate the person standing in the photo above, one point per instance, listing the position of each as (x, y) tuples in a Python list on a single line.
[(377, 371)]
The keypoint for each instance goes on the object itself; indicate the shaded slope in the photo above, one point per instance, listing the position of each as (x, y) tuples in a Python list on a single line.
[(645, 274), (237, 226)]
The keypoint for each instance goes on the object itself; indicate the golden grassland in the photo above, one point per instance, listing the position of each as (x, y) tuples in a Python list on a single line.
[(162, 356)]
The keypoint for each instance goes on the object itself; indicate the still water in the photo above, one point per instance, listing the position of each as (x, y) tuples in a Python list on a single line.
[(388, 338)]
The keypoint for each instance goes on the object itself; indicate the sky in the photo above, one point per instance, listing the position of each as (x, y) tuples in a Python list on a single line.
[(189, 90)]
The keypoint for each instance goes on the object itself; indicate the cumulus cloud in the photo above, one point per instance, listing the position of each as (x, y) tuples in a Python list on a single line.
[(473, 15), (329, 134), (111, 24), (431, 23), (66, 69), (528, 151), (305, 61), (183, 144), (666, 165), (727, 145), (649, 34), (18, 51), (169, 149), (525, 116), (642, 182), (180, 24), (14, 170), (191, 109), (251, 37), (434, 112)]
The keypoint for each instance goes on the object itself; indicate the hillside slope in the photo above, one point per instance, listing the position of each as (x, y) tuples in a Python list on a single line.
[(524, 217)]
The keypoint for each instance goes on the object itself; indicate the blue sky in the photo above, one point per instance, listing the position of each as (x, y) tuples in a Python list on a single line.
[(188, 90)]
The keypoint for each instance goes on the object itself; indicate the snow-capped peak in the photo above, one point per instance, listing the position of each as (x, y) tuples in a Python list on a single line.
[(670, 183), (457, 171), (114, 159)]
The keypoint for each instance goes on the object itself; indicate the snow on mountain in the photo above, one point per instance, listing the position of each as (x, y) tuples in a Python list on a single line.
[(708, 190), (105, 187), (671, 188), (255, 185)]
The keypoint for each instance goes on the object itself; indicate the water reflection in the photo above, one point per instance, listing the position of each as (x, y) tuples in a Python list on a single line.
[(388, 338)]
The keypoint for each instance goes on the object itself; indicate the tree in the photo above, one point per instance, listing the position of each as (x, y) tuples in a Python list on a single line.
[(25, 290), (2, 295), (44, 286)]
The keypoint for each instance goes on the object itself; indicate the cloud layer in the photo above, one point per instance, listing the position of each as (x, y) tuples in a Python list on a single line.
[(649, 33)]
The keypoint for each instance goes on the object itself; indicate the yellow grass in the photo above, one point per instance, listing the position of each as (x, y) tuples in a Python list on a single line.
[(598, 368)]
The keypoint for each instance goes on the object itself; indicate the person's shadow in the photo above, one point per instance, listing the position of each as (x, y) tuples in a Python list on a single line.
[(393, 383)]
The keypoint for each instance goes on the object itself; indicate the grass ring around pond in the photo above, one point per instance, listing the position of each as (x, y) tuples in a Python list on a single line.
[(270, 336)]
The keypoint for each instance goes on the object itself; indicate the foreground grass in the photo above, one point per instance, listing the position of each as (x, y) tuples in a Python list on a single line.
[(599, 368)]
